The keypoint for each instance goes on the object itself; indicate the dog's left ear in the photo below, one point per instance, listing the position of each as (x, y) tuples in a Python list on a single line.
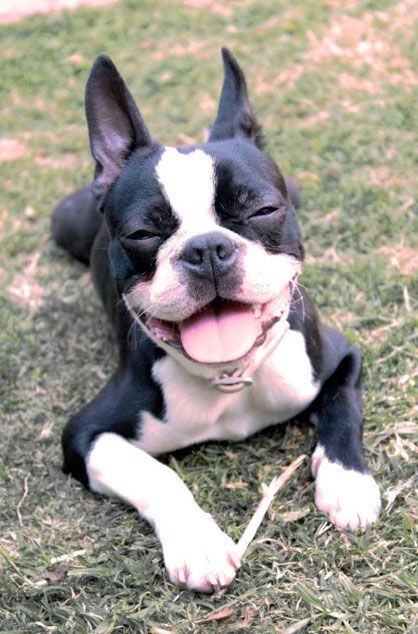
[(235, 117)]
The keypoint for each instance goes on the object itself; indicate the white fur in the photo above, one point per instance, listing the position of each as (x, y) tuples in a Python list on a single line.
[(351, 499), (265, 274), (197, 553), (188, 182), (195, 412)]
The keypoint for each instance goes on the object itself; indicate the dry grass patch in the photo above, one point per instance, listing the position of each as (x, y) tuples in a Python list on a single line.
[(25, 288), (12, 149), (404, 258), (360, 44), (222, 9), (12, 11)]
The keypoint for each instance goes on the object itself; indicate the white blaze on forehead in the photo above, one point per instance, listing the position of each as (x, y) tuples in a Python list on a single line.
[(188, 182)]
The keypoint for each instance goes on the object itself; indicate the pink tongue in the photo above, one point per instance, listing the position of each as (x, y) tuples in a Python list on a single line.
[(222, 331)]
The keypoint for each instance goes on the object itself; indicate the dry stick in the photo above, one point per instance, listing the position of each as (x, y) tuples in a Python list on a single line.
[(25, 492), (269, 493)]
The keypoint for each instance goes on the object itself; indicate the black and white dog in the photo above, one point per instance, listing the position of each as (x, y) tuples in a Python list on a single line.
[(196, 252)]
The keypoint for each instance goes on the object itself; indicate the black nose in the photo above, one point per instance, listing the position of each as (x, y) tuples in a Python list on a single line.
[(209, 255)]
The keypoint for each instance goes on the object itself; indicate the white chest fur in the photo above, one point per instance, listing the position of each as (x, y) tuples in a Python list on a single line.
[(195, 412)]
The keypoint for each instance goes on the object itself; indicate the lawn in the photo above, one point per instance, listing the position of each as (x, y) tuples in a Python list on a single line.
[(334, 84)]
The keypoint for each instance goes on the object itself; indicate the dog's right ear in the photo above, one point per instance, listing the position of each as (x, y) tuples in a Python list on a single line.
[(116, 127), (235, 117)]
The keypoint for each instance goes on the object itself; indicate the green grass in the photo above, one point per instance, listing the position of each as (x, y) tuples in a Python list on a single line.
[(342, 120)]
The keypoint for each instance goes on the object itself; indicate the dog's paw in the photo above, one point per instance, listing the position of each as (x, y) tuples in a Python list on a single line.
[(198, 555), (350, 499)]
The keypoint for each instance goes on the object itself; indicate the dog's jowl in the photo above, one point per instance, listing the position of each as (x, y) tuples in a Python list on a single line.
[(195, 252)]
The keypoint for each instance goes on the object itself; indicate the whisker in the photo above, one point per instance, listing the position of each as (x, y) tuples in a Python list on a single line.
[(299, 299)]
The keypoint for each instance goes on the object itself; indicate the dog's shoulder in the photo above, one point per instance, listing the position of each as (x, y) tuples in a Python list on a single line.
[(325, 346)]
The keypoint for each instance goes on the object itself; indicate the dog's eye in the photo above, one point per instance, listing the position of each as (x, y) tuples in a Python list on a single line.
[(264, 211), (141, 234)]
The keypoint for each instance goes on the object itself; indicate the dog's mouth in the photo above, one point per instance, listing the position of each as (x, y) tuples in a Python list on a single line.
[(221, 331)]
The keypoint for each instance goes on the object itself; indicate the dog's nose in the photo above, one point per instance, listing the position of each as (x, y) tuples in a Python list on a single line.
[(209, 255)]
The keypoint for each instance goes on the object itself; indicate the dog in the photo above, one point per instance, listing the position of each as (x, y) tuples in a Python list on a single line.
[(195, 252)]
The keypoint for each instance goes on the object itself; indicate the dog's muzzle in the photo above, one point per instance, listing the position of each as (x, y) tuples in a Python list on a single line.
[(233, 336)]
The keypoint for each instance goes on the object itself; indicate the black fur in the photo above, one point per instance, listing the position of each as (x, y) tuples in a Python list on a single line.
[(235, 117)]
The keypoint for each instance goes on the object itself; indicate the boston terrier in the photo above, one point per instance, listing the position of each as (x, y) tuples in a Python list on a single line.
[(195, 252)]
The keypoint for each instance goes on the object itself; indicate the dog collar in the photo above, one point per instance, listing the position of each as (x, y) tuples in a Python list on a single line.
[(229, 383)]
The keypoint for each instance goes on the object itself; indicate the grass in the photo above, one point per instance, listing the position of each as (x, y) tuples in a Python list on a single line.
[(334, 85)]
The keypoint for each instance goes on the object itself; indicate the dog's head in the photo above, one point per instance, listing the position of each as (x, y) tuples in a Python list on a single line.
[(204, 244)]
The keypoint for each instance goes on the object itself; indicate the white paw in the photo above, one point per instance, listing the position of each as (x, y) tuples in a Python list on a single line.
[(351, 499), (198, 555)]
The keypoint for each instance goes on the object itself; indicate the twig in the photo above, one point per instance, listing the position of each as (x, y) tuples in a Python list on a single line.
[(296, 627), (22, 499), (406, 300), (68, 556), (268, 495)]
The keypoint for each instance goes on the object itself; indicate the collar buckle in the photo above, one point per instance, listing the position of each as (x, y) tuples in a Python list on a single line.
[(230, 384)]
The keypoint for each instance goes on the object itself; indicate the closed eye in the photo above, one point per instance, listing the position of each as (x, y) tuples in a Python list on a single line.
[(265, 211), (142, 234)]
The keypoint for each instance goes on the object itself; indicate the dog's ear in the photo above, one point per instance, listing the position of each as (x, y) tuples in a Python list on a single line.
[(116, 127), (235, 116)]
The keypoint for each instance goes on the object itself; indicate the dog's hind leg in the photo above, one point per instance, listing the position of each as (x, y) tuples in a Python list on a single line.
[(75, 223)]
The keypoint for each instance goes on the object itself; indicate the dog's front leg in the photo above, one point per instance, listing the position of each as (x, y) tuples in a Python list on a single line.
[(197, 553), (345, 490)]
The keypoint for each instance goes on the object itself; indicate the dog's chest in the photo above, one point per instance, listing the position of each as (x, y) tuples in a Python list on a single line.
[(196, 412)]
